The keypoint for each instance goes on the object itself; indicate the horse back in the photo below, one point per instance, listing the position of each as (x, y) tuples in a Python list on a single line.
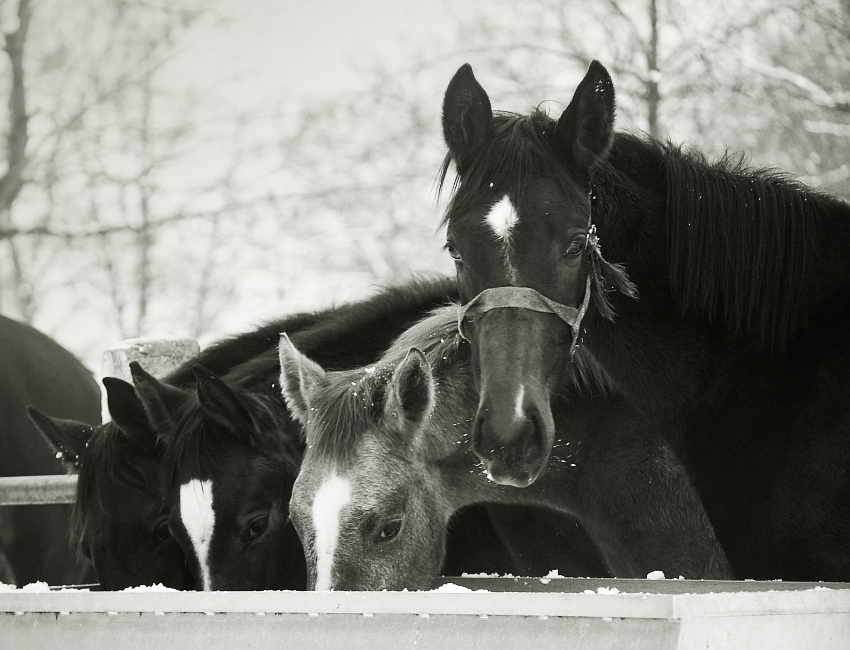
[(36, 370)]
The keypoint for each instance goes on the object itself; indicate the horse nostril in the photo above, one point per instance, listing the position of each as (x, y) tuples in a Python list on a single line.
[(535, 434)]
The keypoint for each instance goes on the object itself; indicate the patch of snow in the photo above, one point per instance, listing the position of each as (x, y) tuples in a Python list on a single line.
[(607, 591), (548, 577), (655, 575), (452, 588), (36, 588), (480, 575), (159, 587)]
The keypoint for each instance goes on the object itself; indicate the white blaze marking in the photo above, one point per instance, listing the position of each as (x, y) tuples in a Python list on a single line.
[(196, 511), (502, 218), (330, 499), (518, 412)]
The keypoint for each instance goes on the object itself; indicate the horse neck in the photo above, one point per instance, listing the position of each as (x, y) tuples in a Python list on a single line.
[(719, 252), (747, 246)]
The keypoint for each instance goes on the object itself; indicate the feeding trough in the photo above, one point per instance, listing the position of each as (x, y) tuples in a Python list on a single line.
[(464, 612)]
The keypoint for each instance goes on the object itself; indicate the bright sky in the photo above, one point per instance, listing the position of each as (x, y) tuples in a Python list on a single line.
[(312, 47)]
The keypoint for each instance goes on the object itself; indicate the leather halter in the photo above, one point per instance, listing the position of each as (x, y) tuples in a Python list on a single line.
[(524, 298)]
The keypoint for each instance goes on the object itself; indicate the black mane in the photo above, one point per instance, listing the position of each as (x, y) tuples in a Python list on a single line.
[(275, 438), (522, 146), (110, 458), (742, 242)]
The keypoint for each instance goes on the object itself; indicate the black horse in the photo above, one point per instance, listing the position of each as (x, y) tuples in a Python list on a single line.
[(34, 369), (742, 330), (232, 453)]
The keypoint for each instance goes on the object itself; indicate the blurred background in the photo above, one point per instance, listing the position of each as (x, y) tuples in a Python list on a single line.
[(193, 167)]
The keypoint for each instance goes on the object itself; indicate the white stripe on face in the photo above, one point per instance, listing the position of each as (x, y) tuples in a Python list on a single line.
[(502, 218), (196, 511), (333, 495), (519, 414)]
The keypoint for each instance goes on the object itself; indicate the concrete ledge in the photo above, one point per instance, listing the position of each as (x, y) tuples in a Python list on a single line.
[(810, 616)]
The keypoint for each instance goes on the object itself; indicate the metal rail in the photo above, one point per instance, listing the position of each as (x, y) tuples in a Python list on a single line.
[(37, 490)]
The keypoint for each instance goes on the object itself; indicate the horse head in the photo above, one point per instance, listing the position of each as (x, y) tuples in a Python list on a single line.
[(359, 533), (230, 462), (120, 519), (520, 230)]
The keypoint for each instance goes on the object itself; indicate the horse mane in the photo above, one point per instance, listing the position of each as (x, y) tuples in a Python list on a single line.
[(742, 241), (110, 458), (521, 145), (275, 437), (356, 397)]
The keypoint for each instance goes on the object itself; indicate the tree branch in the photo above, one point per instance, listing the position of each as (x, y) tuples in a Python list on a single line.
[(16, 140)]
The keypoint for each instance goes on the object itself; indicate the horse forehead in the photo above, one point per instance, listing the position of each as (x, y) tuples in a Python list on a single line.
[(369, 472), (502, 218)]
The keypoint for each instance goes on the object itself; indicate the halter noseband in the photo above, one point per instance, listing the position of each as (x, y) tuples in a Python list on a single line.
[(524, 298)]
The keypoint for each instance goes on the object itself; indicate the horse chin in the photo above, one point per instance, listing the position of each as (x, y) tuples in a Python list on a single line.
[(502, 475)]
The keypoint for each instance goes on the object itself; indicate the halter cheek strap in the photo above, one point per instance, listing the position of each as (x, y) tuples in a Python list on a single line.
[(524, 298)]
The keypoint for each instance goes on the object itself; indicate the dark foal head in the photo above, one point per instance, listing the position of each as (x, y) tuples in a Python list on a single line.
[(229, 465), (366, 503), (520, 217), (120, 520)]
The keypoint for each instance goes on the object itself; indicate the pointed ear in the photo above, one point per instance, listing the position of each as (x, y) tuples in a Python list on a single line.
[(410, 394), (299, 377), (67, 437), (585, 130), (467, 117), (129, 415), (222, 404), (159, 400)]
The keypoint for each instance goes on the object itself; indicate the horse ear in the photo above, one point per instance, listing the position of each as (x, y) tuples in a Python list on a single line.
[(467, 116), (410, 394), (128, 413), (159, 400), (586, 128), (221, 403), (299, 377), (67, 437)]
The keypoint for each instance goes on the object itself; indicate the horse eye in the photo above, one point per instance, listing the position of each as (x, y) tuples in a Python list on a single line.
[(576, 246), (257, 527), (450, 247), (390, 531)]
